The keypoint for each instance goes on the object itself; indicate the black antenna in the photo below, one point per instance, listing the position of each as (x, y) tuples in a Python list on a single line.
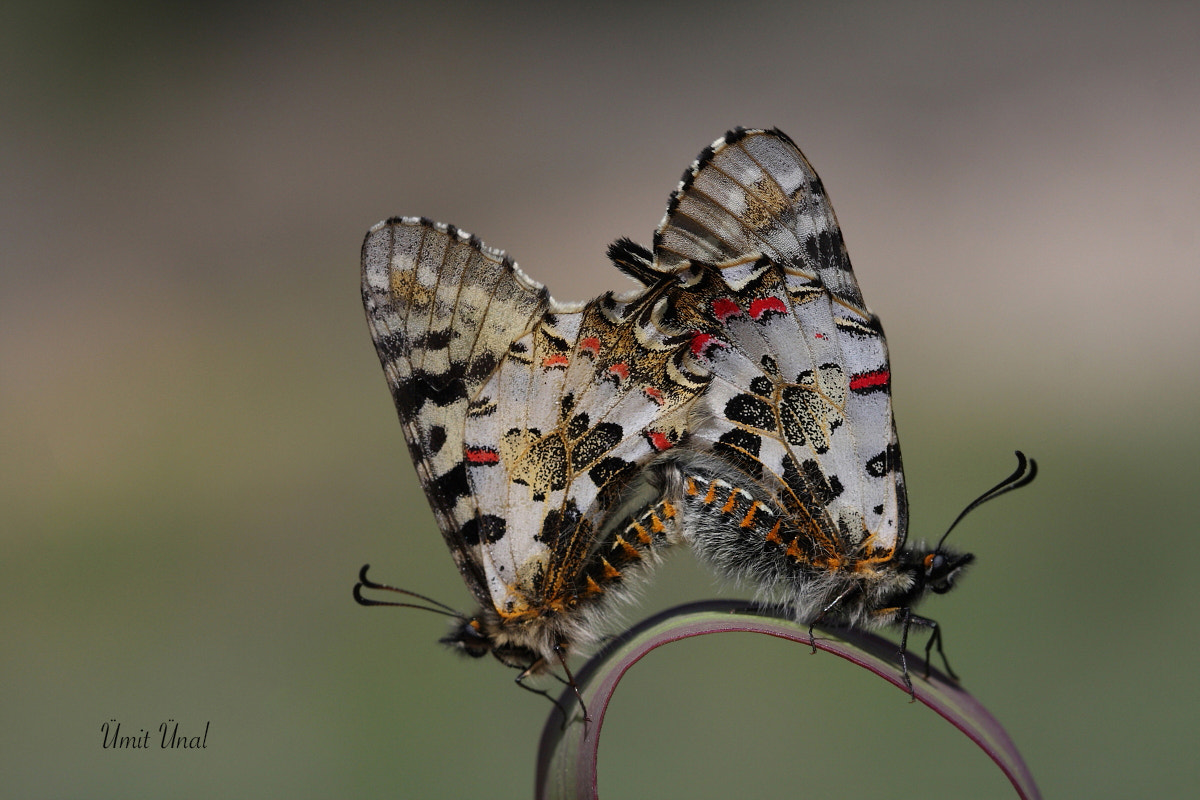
[(365, 583), (1018, 479)]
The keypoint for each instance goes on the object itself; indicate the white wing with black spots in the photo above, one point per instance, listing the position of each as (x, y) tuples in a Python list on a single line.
[(739, 400), (443, 310), (529, 422), (799, 393), (559, 436)]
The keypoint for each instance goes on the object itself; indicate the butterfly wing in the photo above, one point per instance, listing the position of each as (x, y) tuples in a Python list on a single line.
[(800, 396), (529, 420), (443, 310), (559, 437)]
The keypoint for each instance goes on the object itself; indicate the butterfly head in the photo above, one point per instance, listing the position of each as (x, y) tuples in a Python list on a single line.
[(940, 568), (915, 572), (468, 637)]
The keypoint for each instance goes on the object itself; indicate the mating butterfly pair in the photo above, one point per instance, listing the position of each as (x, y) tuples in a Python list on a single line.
[(738, 402)]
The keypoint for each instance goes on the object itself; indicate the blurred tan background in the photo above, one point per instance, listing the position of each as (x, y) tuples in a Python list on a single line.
[(198, 451)]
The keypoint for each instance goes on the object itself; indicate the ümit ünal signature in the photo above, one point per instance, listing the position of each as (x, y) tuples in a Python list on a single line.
[(170, 740)]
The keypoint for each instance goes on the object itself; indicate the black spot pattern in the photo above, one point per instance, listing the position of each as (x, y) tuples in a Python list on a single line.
[(794, 479), (548, 458), (437, 438), (795, 416), (481, 367), (441, 390), (595, 443), (392, 346), (823, 487), (578, 425), (826, 249), (434, 340), (484, 528), (741, 447), (453, 484), (611, 475), (559, 523), (558, 343), (884, 463), (808, 483), (754, 412)]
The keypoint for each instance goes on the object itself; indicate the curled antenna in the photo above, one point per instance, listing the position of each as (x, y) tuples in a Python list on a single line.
[(365, 583), (1024, 474)]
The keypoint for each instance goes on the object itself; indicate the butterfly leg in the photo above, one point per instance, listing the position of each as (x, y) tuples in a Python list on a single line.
[(530, 670), (909, 619), (561, 652), (812, 639), (935, 637), (537, 666), (906, 621)]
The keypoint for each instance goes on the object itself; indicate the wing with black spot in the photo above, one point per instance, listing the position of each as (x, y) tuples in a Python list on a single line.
[(443, 310), (799, 397)]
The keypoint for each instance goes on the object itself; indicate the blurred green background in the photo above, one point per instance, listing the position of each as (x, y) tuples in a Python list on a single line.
[(198, 451)]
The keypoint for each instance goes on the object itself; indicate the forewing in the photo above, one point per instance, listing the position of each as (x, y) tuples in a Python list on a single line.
[(800, 393), (443, 310)]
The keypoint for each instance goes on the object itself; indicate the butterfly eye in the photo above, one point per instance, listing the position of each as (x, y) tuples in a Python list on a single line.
[(934, 562)]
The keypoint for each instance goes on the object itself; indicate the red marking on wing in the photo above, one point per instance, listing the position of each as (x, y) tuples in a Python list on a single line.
[(766, 305), (870, 380), (482, 455), (556, 360), (821, 335), (702, 343), (659, 440), (590, 345), (725, 308), (620, 369), (654, 394)]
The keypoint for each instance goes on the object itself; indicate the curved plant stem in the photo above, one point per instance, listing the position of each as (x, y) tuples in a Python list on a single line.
[(567, 753)]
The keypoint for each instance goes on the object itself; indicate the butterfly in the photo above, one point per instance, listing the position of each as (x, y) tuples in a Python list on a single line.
[(738, 401), (529, 422)]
